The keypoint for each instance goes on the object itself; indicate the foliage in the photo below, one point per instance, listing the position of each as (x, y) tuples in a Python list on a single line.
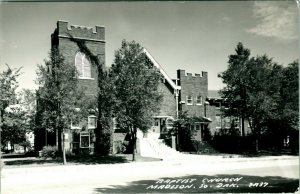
[(60, 97), (27, 99), (58, 91), (259, 89), (136, 82), (185, 134), (19, 118), (14, 125), (290, 95), (8, 86), (49, 152)]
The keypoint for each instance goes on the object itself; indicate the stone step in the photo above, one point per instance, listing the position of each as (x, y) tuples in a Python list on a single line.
[(151, 147)]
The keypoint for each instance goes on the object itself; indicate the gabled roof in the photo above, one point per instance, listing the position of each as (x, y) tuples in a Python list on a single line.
[(156, 64)]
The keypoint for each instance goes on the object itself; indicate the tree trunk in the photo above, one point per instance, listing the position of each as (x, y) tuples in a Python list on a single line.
[(134, 144), (59, 139), (63, 150), (243, 125), (256, 145)]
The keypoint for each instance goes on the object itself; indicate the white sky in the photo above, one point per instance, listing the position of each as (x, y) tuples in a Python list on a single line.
[(195, 36)]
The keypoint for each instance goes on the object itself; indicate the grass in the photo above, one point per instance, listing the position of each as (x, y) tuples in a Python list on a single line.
[(77, 160)]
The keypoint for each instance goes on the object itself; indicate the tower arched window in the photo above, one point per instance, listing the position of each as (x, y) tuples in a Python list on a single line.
[(83, 65)]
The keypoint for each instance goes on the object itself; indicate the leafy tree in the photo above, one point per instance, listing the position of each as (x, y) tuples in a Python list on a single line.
[(290, 95), (235, 78), (136, 87), (252, 89), (14, 125), (186, 134), (27, 99), (8, 86), (19, 118), (60, 96), (183, 132), (288, 112)]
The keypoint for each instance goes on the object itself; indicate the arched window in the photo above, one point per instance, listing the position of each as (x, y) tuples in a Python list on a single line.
[(83, 65)]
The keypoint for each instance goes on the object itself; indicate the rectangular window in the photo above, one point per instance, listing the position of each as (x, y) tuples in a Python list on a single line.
[(199, 100), (236, 122), (197, 127), (189, 100), (227, 122), (218, 121), (92, 122), (218, 105), (84, 140)]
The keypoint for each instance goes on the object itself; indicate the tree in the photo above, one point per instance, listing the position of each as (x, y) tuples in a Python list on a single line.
[(290, 95), (263, 94), (19, 118), (60, 96), (14, 125), (27, 99), (136, 88), (289, 100), (235, 79), (8, 86), (252, 89), (183, 131)]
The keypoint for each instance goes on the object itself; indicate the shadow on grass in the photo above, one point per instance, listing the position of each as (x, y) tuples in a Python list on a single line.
[(247, 184), (87, 160)]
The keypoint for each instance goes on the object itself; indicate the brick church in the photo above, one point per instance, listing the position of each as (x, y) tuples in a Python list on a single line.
[(187, 92)]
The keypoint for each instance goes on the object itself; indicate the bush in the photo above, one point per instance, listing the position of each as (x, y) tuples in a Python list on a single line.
[(49, 152), (30, 153), (119, 147)]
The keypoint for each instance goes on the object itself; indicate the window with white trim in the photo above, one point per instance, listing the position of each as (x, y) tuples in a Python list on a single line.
[(84, 140), (83, 65), (92, 122), (199, 100), (189, 100), (227, 122)]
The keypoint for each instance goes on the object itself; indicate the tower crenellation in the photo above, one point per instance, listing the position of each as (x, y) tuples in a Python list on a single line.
[(80, 32)]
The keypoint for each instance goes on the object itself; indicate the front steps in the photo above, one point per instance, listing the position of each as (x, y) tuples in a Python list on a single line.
[(151, 146)]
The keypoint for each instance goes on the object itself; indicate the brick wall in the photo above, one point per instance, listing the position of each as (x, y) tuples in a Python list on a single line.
[(212, 111), (168, 104), (194, 85), (93, 40)]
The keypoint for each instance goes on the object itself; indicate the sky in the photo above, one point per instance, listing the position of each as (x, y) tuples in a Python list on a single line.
[(195, 36)]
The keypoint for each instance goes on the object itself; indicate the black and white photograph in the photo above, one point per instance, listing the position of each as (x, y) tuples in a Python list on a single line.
[(149, 97)]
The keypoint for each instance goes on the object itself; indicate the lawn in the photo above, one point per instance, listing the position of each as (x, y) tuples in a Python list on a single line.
[(19, 161)]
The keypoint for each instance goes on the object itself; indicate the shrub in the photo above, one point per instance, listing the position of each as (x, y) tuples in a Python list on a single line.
[(30, 153), (49, 152)]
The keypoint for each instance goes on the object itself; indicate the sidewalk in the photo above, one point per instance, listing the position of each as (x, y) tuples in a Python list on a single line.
[(207, 160)]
